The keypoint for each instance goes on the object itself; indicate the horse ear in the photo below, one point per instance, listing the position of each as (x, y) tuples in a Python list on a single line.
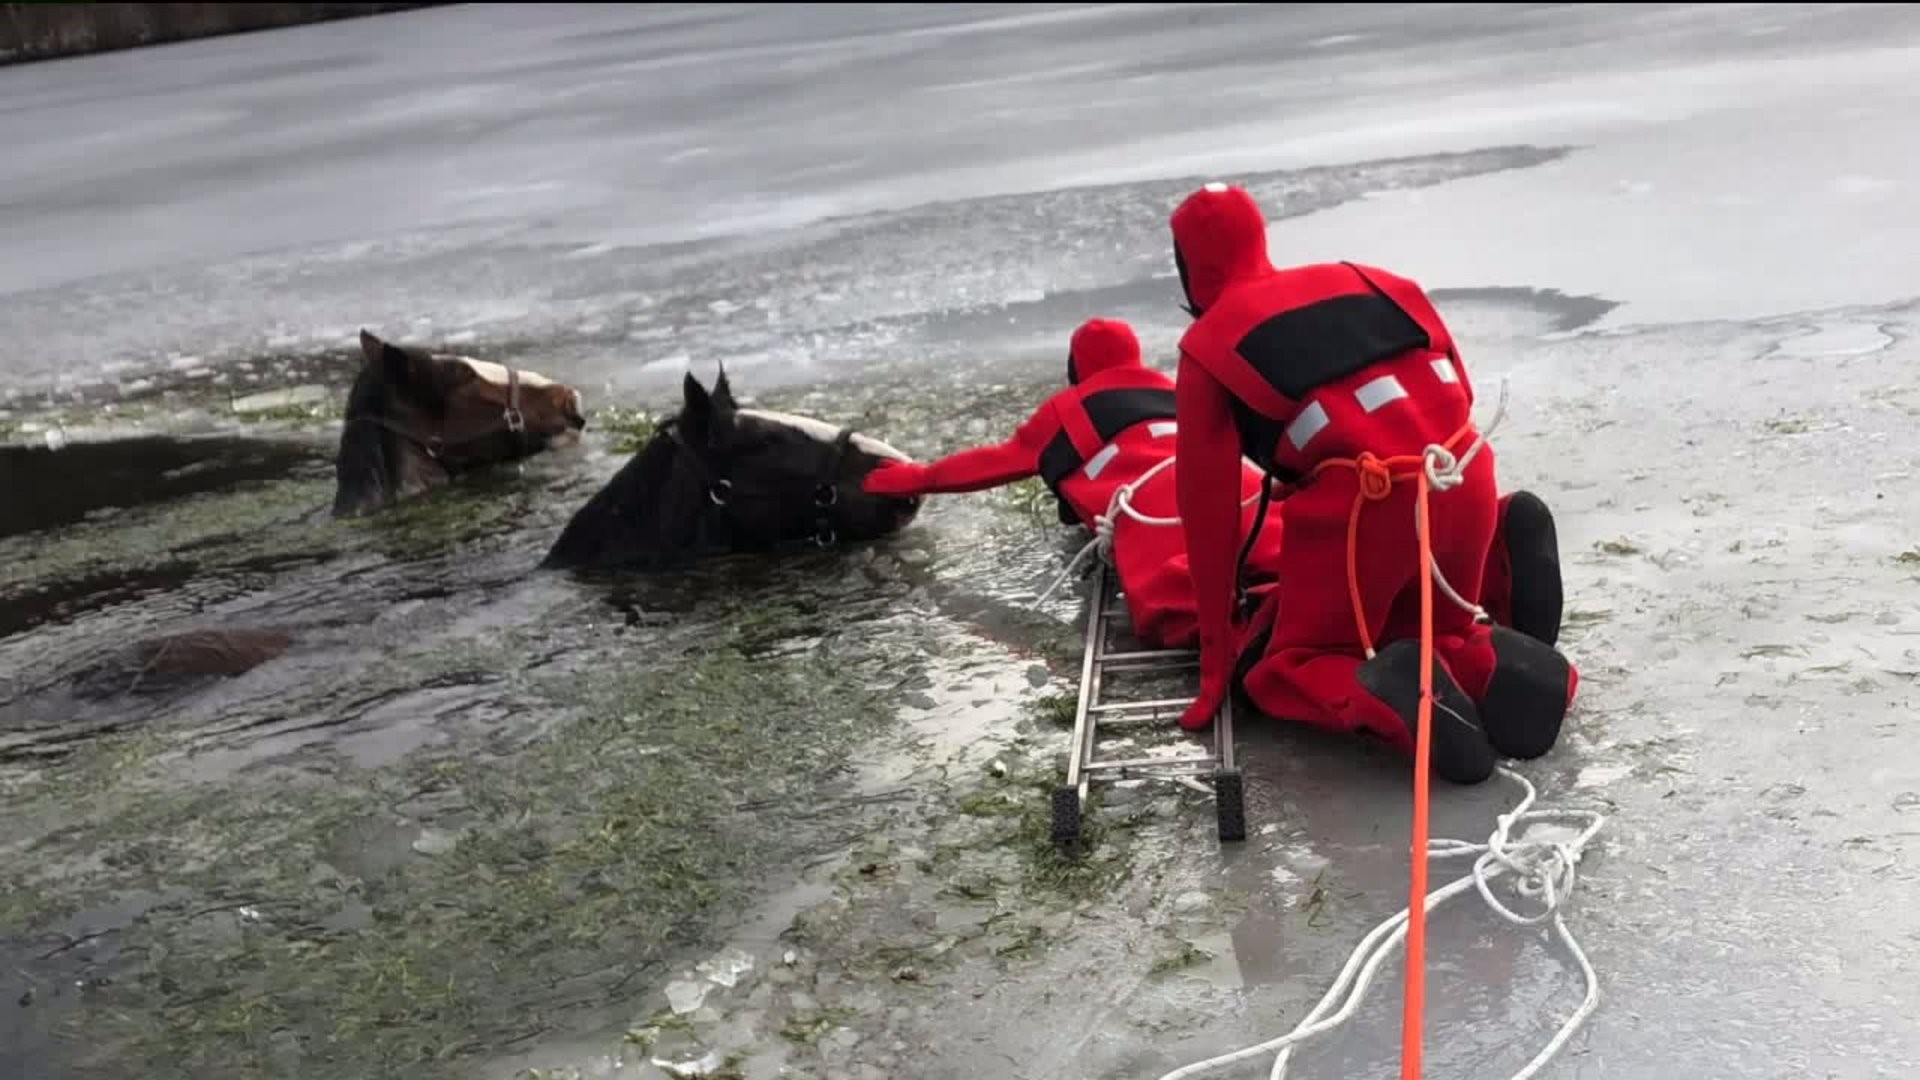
[(723, 393), (696, 411), (403, 369), (695, 400)]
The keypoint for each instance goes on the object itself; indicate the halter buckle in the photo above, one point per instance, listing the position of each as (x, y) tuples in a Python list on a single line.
[(720, 491), (516, 422)]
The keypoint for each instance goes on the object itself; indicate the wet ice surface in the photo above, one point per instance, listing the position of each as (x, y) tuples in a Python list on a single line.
[(1739, 577), (1735, 500)]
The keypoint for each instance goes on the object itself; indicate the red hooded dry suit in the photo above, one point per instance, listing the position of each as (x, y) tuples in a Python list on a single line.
[(1298, 367), (1110, 427)]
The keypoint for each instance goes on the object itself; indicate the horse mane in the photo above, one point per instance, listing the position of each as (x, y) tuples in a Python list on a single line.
[(366, 444), (616, 519)]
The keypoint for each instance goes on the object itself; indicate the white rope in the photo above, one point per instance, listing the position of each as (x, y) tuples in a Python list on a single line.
[(1444, 472), (1543, 871)]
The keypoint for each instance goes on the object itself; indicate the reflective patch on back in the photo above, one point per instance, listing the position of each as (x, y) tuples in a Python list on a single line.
[(1101, 460), (823, 432), (1380, 392), (1160, 429), (496, 374), (1443, 370), (1311, 421)]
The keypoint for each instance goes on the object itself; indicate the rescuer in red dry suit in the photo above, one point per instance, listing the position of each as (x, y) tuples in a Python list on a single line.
[(1109, 428), (1338, 378), (1112, 426)]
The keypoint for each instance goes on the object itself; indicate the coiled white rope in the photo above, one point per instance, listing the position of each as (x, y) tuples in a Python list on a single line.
[(1444, 471), (1542, 870)]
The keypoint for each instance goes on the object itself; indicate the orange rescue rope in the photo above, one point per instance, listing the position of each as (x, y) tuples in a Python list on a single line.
[(1377, 477)]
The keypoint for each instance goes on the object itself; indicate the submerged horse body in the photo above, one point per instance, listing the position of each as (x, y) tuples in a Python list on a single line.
[(171, 661), (717, 478), (417, 419)]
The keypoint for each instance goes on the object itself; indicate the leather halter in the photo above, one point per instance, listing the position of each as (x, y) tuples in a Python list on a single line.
[(721, 491), (434, 446)]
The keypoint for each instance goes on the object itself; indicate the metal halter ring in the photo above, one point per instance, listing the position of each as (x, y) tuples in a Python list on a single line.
[(825, 537), (826, 495), (719, 492)]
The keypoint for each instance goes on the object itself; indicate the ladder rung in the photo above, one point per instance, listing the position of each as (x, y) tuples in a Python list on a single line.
[(1195, 764), (1143, 706), (1153, 654), (1149, 665), (1130, 719)]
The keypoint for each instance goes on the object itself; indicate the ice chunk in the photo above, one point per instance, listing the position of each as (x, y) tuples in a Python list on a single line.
[(280, 399), (433, 842), (686, 995), (706, 1064), (726, 968)]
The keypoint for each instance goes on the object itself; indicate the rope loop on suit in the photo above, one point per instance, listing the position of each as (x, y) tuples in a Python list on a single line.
[(1103, 526)]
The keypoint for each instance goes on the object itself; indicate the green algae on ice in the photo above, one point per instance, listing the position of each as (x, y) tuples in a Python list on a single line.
[(628, 795), (563, 872)]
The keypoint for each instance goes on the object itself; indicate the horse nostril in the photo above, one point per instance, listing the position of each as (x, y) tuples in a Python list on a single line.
[(576, 421)]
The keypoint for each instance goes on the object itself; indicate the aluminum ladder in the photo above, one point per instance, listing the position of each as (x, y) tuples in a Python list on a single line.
[(1108, 632)]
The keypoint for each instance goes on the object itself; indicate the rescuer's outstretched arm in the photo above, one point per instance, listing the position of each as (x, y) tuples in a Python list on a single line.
[(976, 469)]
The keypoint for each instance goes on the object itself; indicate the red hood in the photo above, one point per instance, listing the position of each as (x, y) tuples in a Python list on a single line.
[(1219, 236), (1101, 345)]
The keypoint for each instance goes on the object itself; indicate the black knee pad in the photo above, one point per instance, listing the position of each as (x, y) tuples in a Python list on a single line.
[(1533, 554), (1461, 753), (1526, 700)]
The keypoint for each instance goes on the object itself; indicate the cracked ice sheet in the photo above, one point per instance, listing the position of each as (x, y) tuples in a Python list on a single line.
[(1786, 185), (517, 189)]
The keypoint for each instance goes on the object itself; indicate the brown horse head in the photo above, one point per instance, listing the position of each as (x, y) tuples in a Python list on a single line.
[(417, 419)]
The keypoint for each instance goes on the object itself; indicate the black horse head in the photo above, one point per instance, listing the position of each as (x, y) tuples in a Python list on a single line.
[(417, 419), (718, 479)]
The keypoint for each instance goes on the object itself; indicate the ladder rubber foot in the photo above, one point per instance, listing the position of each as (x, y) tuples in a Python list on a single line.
[(1066, 815), (1230, 805)]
